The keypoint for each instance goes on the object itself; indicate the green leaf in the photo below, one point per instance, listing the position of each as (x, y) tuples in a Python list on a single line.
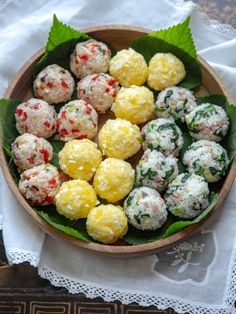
[(177, 40), (61, 42), (135, 236), (229, 141), (8, 130), (76, 229), (188, 140), (171, 226), (57, 147)]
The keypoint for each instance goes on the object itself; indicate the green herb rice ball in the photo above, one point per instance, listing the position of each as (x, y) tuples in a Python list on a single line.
[(145, 209), (208, 159), (187, 195), (163, 135), (175, 102), (155, 170), (208, 121)]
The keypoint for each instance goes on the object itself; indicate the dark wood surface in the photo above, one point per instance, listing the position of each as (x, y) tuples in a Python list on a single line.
[(23, 291)]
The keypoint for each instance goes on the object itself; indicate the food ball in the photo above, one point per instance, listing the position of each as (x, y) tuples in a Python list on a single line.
[(99, 90), (29, 150), (145, 209), (175, 102), (77, 120), (107, 223), (37, 117), (79, 159), (129, 68), (75, 199), (40, 184), (163, 135), (165, 70), (90, 57), (155, 170), (135, 103), (187, 195), (207, 159), (113, 180), (119, 138), (208, 121), (54, 84)]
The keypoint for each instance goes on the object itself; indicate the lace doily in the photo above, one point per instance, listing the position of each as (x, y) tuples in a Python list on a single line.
[(20, 256)]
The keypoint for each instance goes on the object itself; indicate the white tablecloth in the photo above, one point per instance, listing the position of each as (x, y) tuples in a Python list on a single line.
[(196, 276)]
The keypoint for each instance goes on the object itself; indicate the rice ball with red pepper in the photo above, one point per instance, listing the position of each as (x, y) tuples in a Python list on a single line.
[(90, 57), (187, 195), (36, 117), (54, 84), (77, 120), (155, 170), (99, 90), (145, 209), (40, 184), (29, 150), (208, 121), (206, 158)]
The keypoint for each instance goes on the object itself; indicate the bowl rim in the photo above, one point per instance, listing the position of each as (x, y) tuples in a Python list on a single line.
[(113, 250)]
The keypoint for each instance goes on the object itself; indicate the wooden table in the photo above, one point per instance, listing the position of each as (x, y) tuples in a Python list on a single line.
[(23, 291)]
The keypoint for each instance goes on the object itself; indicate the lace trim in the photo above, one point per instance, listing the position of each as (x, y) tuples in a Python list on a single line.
[(221, 28), (20, 256), (230, 291), (108, 295)]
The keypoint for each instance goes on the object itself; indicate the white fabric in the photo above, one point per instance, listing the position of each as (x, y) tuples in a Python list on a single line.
[(197, 276)]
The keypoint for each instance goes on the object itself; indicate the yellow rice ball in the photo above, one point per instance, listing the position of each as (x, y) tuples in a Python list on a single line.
[(128, 67), (113, 180), (119, 138), (165, 70), (107, 223), (79, 159), (135, 103), (75, 199)]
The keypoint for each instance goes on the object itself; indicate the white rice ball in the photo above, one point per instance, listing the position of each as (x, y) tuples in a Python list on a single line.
[(77, 120), (36, 117), (175, 102), (208, 159), (90, 57), (99, 90), (208, 121), (40, 184), (54, 84), (155, 170), (29, 150), (145, 209), (163, 135), (187, 195)]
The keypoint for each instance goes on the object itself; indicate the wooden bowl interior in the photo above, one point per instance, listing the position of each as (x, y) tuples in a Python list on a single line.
[(119, 37)]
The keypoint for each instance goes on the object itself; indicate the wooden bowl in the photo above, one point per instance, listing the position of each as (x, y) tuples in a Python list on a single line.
[(119, 37)]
